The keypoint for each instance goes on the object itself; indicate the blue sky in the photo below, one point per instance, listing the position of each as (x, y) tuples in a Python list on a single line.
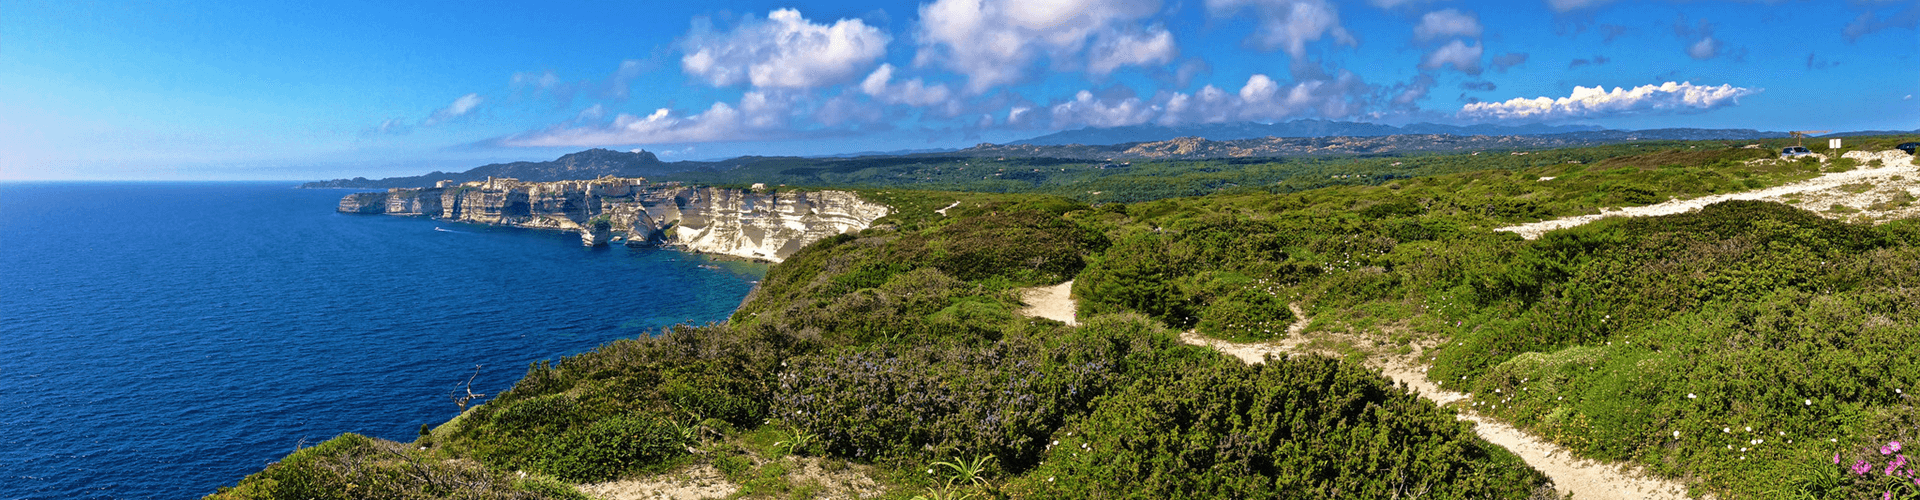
[(185, 90)]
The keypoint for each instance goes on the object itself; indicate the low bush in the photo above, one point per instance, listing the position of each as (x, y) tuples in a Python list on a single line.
[(1307, 427), (352, 466)]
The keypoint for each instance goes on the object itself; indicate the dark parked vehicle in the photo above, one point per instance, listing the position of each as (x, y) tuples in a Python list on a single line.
[(1791, 152), (1908, 147)]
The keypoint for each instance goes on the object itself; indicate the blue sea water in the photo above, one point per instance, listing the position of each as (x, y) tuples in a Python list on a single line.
[(160, 340)]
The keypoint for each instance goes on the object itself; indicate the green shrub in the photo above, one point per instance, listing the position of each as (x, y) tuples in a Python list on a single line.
[(1306, 427), (913, 404), (608, 448), (352, 466)]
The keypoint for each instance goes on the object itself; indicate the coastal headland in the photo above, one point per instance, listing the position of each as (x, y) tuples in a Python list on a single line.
[(755, 223)]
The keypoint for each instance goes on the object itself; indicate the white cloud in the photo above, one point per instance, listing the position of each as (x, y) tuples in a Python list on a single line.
[(1447, 23), (783, 51), (913, 92), (594, 112), (1391, 4), (758, 116), (1706, 48), (1288, 24), (1152, 47), (1462, 57), (997, 42), (392, 126), (1086, 110), (459, 108), (1701, 43), (1261, 99), (1572, 5), (1598, 102)]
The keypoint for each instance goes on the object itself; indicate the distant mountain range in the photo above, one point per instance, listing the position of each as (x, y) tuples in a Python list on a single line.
[(589, 164), (1324, 128), (1219, 140)]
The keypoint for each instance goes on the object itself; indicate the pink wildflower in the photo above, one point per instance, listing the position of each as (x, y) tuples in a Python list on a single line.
[(1895, 446), (1836, 458), (1861, 467)]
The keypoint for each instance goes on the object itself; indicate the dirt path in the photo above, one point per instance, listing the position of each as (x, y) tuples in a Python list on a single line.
[(1050, 302), (1582, 478), (1897, 174)]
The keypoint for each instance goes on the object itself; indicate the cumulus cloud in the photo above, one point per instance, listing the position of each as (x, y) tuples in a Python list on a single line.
[(1288, 24), (1261, 98), (1462, 57), (460, 107), (1116, 111), (1146, 48), (760, 115), (1598, 102), (1446, 23), (785, 50), (1508, 60), (997, 42), (915, 92)]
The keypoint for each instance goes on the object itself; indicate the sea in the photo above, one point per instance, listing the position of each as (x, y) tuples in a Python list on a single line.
[(161, 340)]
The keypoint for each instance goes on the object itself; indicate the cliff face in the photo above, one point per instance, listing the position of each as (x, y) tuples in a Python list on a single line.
[(744, 223)]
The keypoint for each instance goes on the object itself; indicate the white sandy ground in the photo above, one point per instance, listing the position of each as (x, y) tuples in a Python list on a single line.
[(1050, 302), (1818, 194), (702, 482), (1583, 479)]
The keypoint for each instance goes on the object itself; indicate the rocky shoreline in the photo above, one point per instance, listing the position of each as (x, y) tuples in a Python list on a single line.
[(757, 224)]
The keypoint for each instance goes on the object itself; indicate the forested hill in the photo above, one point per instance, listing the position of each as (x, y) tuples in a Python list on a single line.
[(589, 164)]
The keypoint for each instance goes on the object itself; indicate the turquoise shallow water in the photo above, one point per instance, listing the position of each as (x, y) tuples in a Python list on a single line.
[(159, 340)]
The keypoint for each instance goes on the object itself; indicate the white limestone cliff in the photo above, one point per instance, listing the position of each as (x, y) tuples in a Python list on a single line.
[(754, 224)]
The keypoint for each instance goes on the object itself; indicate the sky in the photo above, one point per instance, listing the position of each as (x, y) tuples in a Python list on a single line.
[(223, 90)]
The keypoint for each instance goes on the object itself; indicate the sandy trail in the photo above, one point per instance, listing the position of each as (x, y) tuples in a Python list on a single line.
[(1582, 478), (1050, 302), (1819, 192)]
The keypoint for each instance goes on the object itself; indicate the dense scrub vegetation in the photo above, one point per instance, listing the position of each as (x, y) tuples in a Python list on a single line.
[(1590, 177), (1732, 346), (1752, 349), (900, 347)]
